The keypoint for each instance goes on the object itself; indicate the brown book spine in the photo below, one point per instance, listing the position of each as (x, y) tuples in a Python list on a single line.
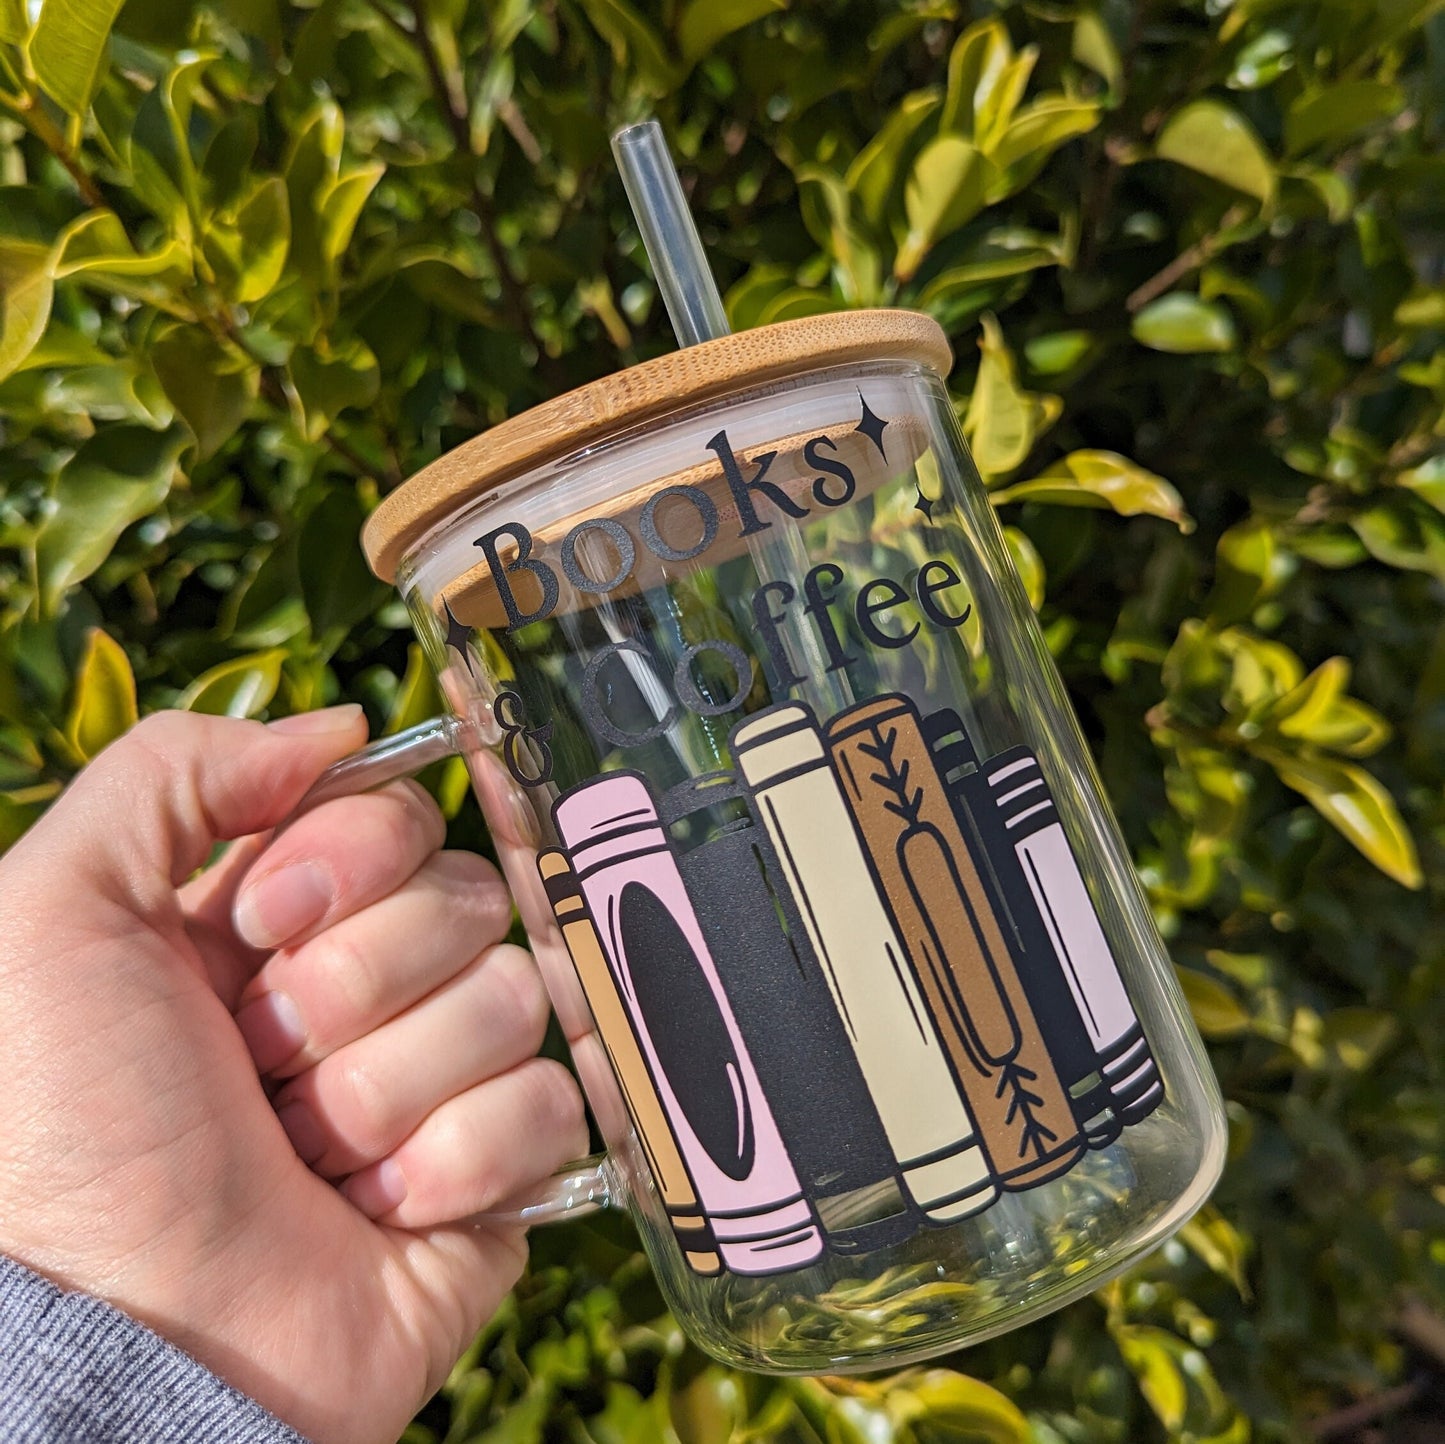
[(941, 908), (649, 1120)]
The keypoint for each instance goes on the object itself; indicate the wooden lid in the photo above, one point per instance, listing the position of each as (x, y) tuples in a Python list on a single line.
[(667, 383)]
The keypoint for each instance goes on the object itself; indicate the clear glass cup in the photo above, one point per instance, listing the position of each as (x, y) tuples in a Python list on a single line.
[(856, 972)]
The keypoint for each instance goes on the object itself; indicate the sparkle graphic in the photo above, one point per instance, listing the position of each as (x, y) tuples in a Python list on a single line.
[(458, 637), (925, 504), (872, 426)]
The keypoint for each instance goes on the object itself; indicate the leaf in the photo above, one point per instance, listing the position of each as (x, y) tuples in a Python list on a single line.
[(1249, 567), (329, 383), (1036, 132), (1353, 801), (1219, 1244), (104, 704), (1006, 251), (340, 209), (247, 247), (417, 697), (1217, 1013), (27, 288), (1102, 479), (118, 476), (1339, 110), (1215, 140), (1003, 420), (1302, 708), (211, 387), (976, 64), (945, 190), (1028, 563), (338, 587), (96, 249), (705, 22), (241, 687), (746, 301), (1181, 323), (1358, 1036), (67, 48), (856, 265), (14, 24), (632, 38), (1094, 46), (941, 1404), (1152, 1356), (879, 170)]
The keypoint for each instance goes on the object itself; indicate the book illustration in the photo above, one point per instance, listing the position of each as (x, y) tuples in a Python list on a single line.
[(796, 793), (619, 1042), (695, 1053), (1023, 802), (927, 874), (757, 939), (1048, 990)]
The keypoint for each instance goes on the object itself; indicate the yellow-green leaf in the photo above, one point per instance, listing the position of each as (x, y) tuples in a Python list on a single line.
[(67, 49), (95, 248), (954, 1406), (241, 687), (1182, 323), (1094, 46), (247, 249), (977, 63), (331, 381), (1028, 563), (1215, 140), (1301, 708), (27, 287), (1102, 479), (1003, 420), (1357, 1036), (1219, 1244), (13, 22), (1040, 129), (1152, 1357), (104, 704), (705, 22), (210, 387), (1217, 1013), (1338, 110), (1358, 805), (945, 191)]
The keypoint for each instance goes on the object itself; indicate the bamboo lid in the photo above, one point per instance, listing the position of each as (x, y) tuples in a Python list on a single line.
[(640, 393)]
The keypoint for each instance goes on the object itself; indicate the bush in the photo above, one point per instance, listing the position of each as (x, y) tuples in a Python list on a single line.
[(260, 262)]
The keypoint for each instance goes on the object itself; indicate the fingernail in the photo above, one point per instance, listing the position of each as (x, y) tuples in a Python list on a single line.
[(310, 724), (378, 1189), (273, 1030), (305, 1133), (277, 906)]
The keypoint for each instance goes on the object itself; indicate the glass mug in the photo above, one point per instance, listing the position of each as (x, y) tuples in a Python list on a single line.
[(859, 981)]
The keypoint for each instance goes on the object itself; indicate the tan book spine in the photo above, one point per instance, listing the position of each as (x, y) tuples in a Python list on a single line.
[(654, 1132), (945, 919)]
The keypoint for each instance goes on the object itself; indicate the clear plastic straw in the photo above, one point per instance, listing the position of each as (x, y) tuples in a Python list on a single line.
[(673, 246)]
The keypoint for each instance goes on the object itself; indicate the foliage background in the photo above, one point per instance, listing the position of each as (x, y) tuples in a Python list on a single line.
[(260, 261)]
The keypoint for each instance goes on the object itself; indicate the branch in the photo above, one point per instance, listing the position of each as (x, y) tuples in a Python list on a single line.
[(1190, 260), (1354, 1417), (39, 124)]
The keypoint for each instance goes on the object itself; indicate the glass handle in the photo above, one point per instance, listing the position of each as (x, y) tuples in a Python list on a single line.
[(583, 1186)]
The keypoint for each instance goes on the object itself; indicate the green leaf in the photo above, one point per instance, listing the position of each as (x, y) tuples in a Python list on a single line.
[(340, 208), (1216, 1011), (1339, 110), (1180, 322), (1003, 420), (67, 49), (746, 301), (1215, 140), (880, 169), (211, 387), (1358, 1036), (27, 288), (1353, 801), (1105, 480), (247, 247), (976, 64), (1005, 251), (945, 190), (326, 384), (1152, 1356), (705, 22), (1028, 563), (856, 265), (1304, 707), (417, 698), (242, 687), (634, 40), (337, 585), (104, 704), (118, 476), (1094, 46), (14, 23), (1036, 132), (1219, 1244), (96, 249), (1249, 567), (941, 1404)]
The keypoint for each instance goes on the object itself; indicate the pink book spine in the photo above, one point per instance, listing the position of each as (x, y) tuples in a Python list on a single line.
[(694, 1048)]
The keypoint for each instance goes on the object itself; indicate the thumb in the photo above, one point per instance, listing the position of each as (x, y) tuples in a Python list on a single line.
[(159, 799)]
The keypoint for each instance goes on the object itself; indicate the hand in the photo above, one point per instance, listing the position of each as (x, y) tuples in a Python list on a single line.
[(350, 963)]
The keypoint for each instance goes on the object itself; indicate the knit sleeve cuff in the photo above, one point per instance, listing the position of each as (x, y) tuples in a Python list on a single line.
[(74, 1370)]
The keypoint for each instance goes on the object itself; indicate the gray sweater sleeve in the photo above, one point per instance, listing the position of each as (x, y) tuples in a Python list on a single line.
[(73, 1370)]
